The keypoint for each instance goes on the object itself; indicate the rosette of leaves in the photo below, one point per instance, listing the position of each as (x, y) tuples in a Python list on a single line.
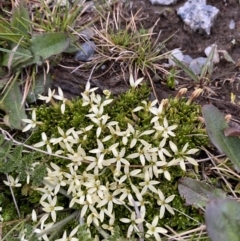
[(23, 49)]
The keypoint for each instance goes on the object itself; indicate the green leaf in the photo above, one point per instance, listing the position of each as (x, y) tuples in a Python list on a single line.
[(215, 125), (208, 66), (188, 71), (42, 83), (1, 139), (20, 18), (73, 46), (46, 45), (11, 104), (223, 220), (16, 59), (198, 193), (38, 174)]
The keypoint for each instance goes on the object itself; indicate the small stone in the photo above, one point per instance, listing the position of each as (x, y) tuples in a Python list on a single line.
[(177, 53), (87, 33), (163, 2), (187, 59), (232, 24), (198, 15), (103, 67), (215, 58), (86, 51), (197, 64)]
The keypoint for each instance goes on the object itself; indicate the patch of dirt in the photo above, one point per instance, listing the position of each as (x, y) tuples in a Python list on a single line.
[(226, 76)]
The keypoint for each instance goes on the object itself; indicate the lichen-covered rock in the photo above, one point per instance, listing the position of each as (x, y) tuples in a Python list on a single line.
[(163, 2), (198, 15)]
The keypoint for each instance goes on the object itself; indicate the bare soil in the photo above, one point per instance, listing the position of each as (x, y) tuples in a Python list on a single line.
[(226, 76)]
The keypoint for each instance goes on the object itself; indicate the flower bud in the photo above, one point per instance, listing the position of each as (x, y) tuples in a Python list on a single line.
[(180, 93), (194, 95)]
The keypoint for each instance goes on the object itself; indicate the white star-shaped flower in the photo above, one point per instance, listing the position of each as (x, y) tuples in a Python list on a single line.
[(182, 156), (32, 123), (153, 230)]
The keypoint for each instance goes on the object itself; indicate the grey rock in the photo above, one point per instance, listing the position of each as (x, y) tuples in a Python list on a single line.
[(215, 56), (176, 53), (163, 2), (232, 24), (87, 33), (197, 64), (86, 51), (187, 59), (198, 15)]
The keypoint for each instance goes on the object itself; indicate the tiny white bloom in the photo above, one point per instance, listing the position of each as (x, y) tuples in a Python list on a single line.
[(182, 156), (165, 131), (153, 230), (34, 216), (147, 184), (158, 112), (118, 158), (31, 123), (133, 223), (47, 98), (164, 203), (134, 83), (11, 182), (162, 152), (44, 142), (60, 96), (50, 207), (70, 237)]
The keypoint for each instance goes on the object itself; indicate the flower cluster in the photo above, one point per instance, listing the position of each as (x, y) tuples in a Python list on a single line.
[(114, 171)]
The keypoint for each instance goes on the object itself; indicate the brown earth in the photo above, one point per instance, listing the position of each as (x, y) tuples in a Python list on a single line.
[(224, 80)]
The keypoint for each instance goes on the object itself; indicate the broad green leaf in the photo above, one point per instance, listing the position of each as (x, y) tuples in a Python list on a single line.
[(20, 18), (11, 104), (222, 218), (215, 125), (46, 45), (198, 193)]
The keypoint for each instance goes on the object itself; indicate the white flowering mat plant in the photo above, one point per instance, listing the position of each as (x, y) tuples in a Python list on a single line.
[(111, 162)]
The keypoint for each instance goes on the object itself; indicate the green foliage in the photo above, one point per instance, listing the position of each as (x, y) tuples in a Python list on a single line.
[(45, 45), (133, 47), (83, 234), (206, 70), (171, 79), (198, 193), (215, 125), (132, 122), (185, 115), (22, 47), (11, 104), (222, 220), (118, 236), (38, 174)]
